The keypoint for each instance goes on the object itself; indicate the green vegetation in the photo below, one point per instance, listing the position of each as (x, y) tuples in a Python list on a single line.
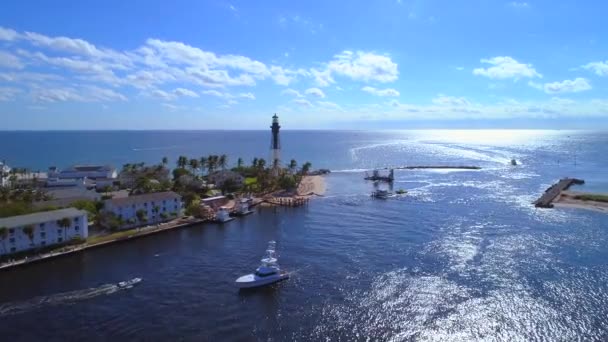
[(592, 197), (91, 207)]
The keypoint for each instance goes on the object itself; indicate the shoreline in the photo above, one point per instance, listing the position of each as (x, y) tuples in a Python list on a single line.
[(311, 185), (142, 232), (566, 200)]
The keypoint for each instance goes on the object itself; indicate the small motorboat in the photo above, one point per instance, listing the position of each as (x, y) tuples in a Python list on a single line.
[(223, 215), (513, 162), (401, 192), (267, 273), (382, 194), (129, 283), (243, 207)]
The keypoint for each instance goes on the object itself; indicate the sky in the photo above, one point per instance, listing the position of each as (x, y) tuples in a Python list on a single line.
[(318, 64)]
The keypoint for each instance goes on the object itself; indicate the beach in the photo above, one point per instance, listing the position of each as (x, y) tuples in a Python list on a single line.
[(567, 200), (311, 185)]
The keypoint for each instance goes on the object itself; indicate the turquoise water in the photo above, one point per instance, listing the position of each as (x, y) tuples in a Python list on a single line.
[(464, 256)]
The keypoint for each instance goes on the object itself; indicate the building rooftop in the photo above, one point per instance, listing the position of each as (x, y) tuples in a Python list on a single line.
[(89, 168), (155, 196), (46, 216)]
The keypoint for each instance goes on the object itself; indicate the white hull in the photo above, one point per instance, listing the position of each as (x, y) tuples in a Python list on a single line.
[(252, 280)]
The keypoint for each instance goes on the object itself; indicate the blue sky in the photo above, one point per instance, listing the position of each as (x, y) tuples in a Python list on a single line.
[(318, 64)]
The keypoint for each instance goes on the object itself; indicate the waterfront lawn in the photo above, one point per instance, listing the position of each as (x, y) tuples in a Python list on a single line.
[(113, 236), (56, 248), (592, 197), (251, 180)]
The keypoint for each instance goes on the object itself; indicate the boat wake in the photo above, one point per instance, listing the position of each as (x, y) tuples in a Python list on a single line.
[(65, 298)]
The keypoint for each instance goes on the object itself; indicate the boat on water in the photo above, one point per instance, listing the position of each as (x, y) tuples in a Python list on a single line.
[(223, 215), (401, 192), (267, 273), (514, 162), (129, 283), (382, 194), (243, 206)]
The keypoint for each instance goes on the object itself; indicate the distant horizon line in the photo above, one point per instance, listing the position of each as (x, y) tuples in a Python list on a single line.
[(303, 129)]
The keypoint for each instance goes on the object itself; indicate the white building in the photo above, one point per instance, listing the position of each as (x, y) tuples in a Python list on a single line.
[(25, 232), (155, 208), (84, 171), (4, 174), (220, 177)]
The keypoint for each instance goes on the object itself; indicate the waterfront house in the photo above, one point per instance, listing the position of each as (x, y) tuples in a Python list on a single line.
[(65, 196), (220, 177), (215, 202), (128, 177), (38, 230), (84, 171), (140, 210)]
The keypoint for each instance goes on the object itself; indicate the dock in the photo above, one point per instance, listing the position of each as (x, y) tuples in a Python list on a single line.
[(547, 198), (287, 201)]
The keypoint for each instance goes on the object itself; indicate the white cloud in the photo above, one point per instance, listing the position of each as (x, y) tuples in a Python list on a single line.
[(172, 107), (161, 94), (8, 34), (329, 105), (291, 92), (303, 103), (359, 66), (184, 92), (10, 61), (506, 67), (228, 96), (316, 92), (567, 86), (444, 100), (519, 4), (8, 93), (380, 92), (600, 68), (82, 94)]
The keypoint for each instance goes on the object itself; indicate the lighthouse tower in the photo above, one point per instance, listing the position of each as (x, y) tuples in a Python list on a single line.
[(275, 145)]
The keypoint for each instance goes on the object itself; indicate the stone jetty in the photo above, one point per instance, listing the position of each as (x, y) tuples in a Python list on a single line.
[(547, 198)]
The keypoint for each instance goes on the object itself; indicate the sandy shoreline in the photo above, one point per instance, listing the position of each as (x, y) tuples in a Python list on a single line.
[(311, 185), (566, 200)]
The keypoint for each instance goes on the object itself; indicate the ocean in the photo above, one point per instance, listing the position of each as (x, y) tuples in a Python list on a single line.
[(464, 256)]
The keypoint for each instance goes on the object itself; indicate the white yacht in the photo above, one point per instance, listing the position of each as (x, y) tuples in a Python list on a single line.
[(268, 273), (223, 215), (242, 208), (129, 283)]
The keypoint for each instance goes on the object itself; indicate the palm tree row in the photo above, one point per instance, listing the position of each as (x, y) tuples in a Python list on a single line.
[(210, 163)]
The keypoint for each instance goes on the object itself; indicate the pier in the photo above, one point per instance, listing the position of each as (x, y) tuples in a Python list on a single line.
[(287, 201), (547, 198)]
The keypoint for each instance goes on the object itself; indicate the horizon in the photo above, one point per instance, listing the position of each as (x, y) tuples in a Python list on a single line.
[(417, 64)]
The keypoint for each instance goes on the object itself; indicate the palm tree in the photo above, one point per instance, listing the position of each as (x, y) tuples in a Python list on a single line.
[(203, 165), (194, 165), (3, 235), (29, 231), (141, 215), (210, 163), (65, 224), (222, 161), (165, 161), (306, 168), (254, 163), (156, 210), (239, 163), (261, 163), (292, 165), (182, 161)]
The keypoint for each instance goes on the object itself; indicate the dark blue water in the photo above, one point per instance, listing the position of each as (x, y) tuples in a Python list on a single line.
[(463, 257)]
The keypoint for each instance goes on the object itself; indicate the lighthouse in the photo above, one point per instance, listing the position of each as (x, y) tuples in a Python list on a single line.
[(275, 145)]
